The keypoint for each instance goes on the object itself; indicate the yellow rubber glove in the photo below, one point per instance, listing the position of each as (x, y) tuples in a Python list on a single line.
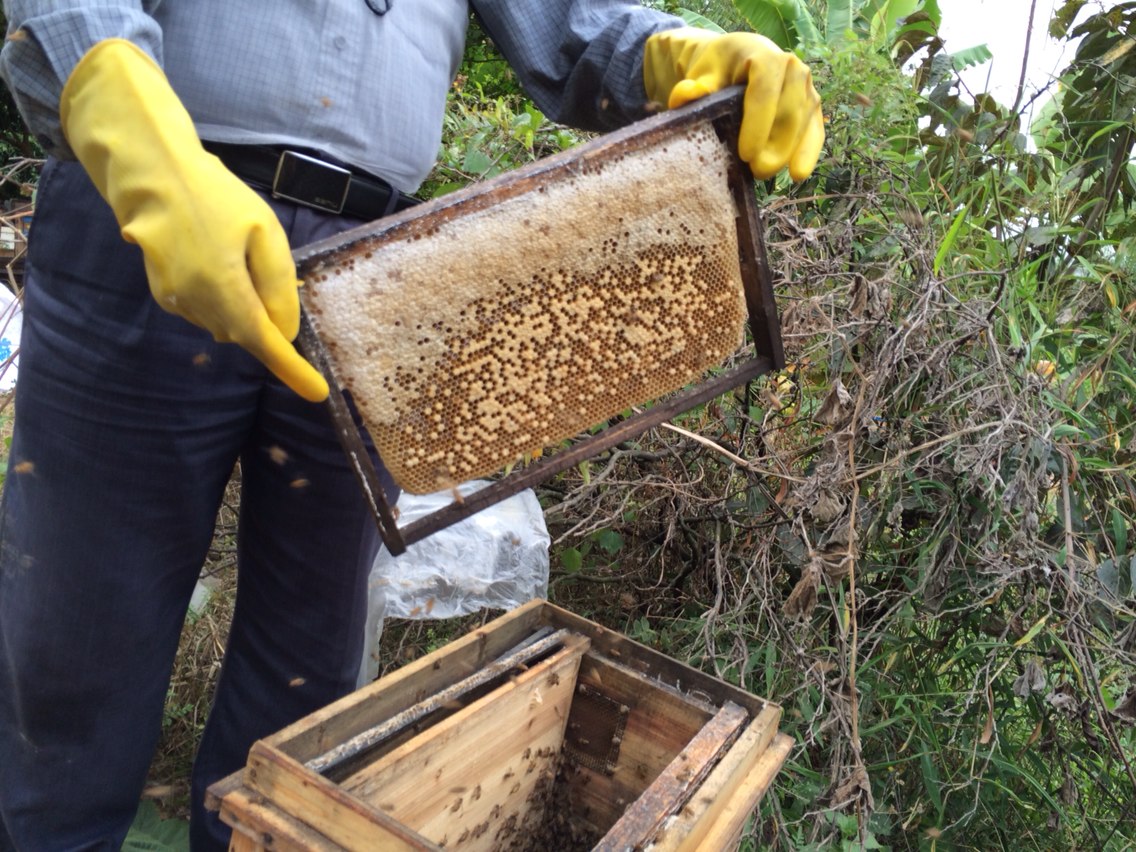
[(782, 124), (215, 253)]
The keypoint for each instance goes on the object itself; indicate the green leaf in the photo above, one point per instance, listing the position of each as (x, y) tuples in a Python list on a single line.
[(806, 26), (885, 21), (970, 56), (839, 21), (1015, 331), (1063, 19), (1119, 531), (1031, 634), (641, 631), (1109, 577), (700, 21), (770, 667), (765, 17), (849, 825), (476, 162), (949, 240), (786, 22), (572, 560), (150, 833), (931, 781), (610, 541), (931, 8), (1067, 430)]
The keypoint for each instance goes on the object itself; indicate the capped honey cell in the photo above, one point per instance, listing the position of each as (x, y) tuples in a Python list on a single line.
[(540, 315)]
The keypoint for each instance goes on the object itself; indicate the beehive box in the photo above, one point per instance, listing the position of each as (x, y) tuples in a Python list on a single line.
[(541, 730)]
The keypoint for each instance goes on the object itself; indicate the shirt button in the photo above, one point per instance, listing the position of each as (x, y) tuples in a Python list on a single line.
[(340, 42)]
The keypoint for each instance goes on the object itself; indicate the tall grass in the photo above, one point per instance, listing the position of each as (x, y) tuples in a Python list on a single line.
[(925, 551)]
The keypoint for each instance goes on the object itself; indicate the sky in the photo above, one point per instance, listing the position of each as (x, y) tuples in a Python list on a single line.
[(1001, 26)]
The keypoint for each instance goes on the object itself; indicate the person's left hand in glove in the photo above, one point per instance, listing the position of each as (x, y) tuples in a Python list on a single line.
[(782, 124)]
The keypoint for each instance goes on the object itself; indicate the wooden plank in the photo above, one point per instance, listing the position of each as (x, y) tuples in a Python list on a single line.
[(265, 827), (319, 803), (728, 795), (725, 832), (673, 788), (390, 732), (757, 279), (370, 484), (684, 679), (240, 843), (338, 722), (660, 723), (219, 789), (469, 780)]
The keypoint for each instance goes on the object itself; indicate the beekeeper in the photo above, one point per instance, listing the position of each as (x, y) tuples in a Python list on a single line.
[(191, 144)]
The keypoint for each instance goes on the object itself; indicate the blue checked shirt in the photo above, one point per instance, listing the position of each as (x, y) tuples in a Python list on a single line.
[(362, 80)]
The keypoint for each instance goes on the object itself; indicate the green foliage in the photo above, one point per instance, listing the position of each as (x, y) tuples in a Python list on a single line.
[(150, 833), (994, 469), (489, 127), (709, 14), (796, 24), (486, 138), (484, 69), (927, 555), (174, 711), (1088, 137), (789, 23), (696, 20)]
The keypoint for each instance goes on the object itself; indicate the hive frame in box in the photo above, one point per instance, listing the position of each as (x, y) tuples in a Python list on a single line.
[(434, 750), (722, 112)]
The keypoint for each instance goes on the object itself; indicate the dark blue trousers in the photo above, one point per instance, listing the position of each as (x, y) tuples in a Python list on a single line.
[(128, 424)]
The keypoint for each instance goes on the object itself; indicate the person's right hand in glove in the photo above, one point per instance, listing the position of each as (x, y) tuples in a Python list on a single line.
[(215, 253), (782, 123)]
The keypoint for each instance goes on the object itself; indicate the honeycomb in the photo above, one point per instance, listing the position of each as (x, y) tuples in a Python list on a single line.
[(468, 341)]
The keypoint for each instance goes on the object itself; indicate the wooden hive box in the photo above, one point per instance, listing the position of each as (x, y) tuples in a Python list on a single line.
[(541, 730)]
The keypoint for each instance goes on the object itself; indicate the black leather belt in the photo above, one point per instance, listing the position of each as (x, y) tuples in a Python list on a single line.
[(305, 179)]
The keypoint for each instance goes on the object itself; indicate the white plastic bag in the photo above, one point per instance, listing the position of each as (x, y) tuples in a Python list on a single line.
[(495, 559)]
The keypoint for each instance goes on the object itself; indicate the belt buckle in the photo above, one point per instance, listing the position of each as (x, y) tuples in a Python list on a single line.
[(311, 182)]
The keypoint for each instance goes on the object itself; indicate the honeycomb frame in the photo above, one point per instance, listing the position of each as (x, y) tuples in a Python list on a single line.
[(505, 318)]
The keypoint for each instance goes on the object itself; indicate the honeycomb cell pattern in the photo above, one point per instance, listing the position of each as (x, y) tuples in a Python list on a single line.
[(474, 340)]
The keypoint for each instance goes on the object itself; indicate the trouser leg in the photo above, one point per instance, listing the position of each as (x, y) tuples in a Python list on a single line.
[(297, 628), (306, 542), (128, 422)]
